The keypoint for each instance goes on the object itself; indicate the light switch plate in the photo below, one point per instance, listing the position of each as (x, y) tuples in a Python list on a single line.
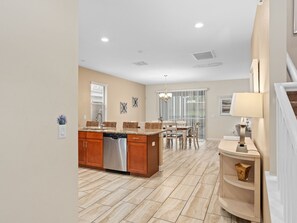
[(153, 143), (62, 132)]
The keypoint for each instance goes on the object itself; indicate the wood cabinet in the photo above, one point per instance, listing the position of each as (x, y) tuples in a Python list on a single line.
[(81, 149), (240, 198), (90, 149), (143, 154)]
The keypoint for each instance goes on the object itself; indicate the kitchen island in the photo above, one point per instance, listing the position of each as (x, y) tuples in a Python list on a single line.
[(142, 149)]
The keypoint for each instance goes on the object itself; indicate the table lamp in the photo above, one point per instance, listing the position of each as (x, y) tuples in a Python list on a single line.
[(246, 105)]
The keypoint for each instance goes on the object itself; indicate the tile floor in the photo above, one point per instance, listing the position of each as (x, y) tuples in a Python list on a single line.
[(185, 191)]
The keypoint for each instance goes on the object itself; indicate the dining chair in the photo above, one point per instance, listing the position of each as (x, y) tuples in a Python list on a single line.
[(92, 124), (153, 125), (181, 123), (171, 134), (110, 124), (194, 135), (130, 125)]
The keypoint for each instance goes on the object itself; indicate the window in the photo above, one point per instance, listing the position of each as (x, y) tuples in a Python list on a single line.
[(98, 101), (189, 106)]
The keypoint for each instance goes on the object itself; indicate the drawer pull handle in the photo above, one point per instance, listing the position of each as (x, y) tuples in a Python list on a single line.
[(135, 138)]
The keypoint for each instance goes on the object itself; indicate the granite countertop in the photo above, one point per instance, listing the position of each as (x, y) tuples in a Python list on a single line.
[(121, 130)]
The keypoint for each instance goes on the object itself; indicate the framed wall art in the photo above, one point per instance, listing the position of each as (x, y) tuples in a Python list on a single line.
[(295, 16), (123, 107), (134, 102), (225, 105), (254, 76)]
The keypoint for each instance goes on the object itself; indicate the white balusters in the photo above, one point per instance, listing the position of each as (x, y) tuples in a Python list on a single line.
[(286, 151)]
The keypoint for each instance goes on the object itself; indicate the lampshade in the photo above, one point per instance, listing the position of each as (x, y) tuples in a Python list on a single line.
[(247, 105)]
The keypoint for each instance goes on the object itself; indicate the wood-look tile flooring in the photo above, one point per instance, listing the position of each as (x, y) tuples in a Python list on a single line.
[(185, 191)]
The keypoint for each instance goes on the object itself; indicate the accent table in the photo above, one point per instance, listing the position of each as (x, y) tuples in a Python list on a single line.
[(240, 198)]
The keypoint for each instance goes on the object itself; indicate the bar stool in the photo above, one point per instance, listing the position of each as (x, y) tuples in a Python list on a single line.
[(130, 125), (110, 124), (92, 124), (153, 125)]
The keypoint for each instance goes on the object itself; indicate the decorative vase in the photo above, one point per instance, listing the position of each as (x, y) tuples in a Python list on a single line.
[(242, 171)]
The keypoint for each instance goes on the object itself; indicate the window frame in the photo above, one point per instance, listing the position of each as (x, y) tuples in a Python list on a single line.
[(104, 116)]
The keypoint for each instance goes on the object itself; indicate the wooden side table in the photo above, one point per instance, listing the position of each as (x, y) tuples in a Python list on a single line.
[(240, 198)]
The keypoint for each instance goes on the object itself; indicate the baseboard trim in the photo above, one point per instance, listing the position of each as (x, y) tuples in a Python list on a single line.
[(216, 139)]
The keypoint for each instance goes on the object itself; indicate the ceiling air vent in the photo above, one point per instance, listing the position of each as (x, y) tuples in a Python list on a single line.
[(140, 63), (204, 55), (215, 64)]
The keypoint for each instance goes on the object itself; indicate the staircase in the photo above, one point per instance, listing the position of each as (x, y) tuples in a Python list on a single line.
[(293, 100), (282, 193)]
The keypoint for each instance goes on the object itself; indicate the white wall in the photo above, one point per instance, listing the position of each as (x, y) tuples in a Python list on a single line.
[(269, 46), (118, 90), (216, 125), (38, 72)]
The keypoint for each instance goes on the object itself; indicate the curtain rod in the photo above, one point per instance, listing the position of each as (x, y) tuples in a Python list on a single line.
[(168, 90)]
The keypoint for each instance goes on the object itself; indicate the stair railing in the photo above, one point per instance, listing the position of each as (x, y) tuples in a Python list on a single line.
[(286, 146), (291, 69)]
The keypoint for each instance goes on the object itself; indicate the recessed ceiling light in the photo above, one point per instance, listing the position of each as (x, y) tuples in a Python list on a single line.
[(104, 39), (199, 25)]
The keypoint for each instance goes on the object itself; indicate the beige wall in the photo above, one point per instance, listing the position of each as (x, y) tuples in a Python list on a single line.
[(38, 69), (216, 125), (118, 90), (291, 37), (269, 46)]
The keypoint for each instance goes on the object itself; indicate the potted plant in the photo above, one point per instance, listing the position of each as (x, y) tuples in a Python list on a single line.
[(62, 120)]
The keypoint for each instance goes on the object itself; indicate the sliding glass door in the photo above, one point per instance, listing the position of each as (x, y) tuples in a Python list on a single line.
[(189, 106)]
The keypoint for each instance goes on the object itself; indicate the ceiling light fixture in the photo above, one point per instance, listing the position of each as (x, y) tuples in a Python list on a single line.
[(104, 39), (165, 95), (199, 25)]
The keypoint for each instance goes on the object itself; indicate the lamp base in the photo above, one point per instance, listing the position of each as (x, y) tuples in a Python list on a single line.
[(241, 148)]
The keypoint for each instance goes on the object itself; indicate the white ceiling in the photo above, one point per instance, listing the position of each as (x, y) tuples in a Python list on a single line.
[(162, 34)]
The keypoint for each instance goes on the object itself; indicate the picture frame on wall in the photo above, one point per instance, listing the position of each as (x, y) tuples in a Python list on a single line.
[(225, 105), (255, 76), (134, 102), (295, 16), (123, 107)]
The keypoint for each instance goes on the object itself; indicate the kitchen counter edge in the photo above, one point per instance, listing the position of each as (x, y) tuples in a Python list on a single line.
[(124, 131)]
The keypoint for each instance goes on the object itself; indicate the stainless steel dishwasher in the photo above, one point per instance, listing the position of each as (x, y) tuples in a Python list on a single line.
[(115, 151)]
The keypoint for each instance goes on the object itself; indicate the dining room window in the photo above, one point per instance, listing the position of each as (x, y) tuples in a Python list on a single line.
[(189, 106), (98, 101)]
